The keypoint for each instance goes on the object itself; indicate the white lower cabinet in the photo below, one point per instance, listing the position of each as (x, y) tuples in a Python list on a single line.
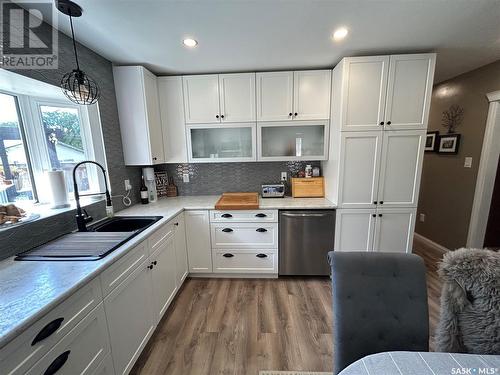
[(162, 264), (181, 260), (198, 241), (386, 229), (81, 351), (130, 317), (245, 261), (106, 367)]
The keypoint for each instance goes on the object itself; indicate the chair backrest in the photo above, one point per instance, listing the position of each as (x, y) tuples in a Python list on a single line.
[(469, 321), (379, 304)]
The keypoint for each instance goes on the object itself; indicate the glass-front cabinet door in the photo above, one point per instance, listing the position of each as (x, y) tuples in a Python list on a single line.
[(306, 140), (221, 143)]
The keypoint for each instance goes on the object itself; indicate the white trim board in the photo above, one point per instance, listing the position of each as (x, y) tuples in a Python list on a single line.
[(486, 174), (429, 243)]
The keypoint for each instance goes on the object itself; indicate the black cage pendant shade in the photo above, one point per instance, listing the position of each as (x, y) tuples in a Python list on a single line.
[(77, 85)]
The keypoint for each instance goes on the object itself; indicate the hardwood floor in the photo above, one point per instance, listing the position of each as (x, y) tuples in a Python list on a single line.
[(242, 326)]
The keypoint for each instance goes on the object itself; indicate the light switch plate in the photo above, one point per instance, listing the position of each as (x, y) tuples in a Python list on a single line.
[(468, 162), (284, 176), (421, 218)]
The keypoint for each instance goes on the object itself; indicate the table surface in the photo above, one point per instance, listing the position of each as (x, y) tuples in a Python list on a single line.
[(420, 363)]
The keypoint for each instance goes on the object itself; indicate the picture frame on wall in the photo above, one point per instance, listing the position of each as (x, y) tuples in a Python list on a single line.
[(431, 141), (449, 143)]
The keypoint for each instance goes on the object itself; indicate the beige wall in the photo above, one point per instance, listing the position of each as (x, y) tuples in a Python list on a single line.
[(447, 188)]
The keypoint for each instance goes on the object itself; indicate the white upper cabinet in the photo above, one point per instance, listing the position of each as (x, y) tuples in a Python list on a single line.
[(237, 97), (409, 91), (201, 99), (401, 167), (311, 94), (218, 98), (300, 95), (359, 169), (172, 119), (394, 230), (139, 114), (363, 92), (275, 96)]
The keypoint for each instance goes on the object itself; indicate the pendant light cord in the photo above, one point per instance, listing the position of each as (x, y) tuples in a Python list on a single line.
[(74, 42)]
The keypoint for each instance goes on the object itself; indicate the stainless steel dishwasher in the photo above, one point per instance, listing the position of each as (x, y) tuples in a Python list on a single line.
[(305, 238)]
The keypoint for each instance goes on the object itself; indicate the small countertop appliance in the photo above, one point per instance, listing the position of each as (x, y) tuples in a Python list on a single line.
[(273, 190), (150, 182)]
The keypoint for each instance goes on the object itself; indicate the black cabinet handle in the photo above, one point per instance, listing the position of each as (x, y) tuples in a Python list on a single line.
[(154, 263), (226, 215), (222, 116), (381, 202), (261, 230), (261, 256), (374, 215), (150, 267), (380, 215), (216, 116), (388, 123), (260, 215), (295, 114), (228, 255), (227, 230), (290, 114), (381, 123), (155, 158), (57, 363), (374, 202), (48, 330), (176, 224)]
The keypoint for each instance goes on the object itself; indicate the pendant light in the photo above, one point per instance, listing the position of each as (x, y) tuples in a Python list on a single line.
[(78, 86)]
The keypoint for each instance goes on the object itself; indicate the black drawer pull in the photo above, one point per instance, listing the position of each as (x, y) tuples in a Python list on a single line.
[(228, 255), (57, 363), (226, 215), (227, 230), (261, 256), (261, 230), (48, 330), (261, 215)]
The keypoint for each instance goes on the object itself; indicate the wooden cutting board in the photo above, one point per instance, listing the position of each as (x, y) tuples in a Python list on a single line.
[(238, 201)]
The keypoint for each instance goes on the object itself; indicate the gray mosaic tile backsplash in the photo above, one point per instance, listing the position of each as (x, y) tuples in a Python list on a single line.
[(217, 178)]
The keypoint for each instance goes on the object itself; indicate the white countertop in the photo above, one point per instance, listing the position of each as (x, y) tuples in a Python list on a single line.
[(30, 289)]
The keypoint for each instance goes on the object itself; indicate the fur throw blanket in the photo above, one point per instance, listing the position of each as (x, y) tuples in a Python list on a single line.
[(470, 302)]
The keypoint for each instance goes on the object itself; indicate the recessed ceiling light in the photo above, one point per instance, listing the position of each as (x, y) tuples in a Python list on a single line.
[(189, 42), (340, 33)]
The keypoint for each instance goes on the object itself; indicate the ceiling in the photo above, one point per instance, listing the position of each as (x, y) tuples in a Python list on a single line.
[(259, 35)]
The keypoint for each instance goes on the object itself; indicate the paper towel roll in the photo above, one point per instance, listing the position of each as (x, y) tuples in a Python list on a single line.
[(58, 191)]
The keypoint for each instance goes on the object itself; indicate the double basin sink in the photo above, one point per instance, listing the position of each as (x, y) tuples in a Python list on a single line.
[(100, 239)]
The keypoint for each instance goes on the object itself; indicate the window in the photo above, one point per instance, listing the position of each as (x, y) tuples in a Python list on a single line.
[(15, 174), (41, 130)]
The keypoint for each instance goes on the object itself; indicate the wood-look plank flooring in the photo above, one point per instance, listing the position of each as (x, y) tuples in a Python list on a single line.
[(243, 326)]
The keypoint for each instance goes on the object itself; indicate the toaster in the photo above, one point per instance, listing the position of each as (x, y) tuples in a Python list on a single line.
[(273, 190)]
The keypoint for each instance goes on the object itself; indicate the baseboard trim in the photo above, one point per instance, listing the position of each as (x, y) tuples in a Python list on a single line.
[(430, 243)]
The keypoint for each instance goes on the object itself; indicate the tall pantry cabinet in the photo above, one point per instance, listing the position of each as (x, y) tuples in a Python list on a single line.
[(380, 109)]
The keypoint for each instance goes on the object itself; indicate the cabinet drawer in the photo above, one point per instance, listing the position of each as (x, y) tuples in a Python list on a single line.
[(119, 271), (23, 352), (160, 235), (81, 351), (244, 235), (245, 261), (244, 216)]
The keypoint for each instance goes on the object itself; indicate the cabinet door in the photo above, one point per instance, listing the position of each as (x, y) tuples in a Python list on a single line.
[(237, 97), (359, 169), (409, 91), (354, 229), (231, 142), (201, 99), (180, 250), (274, 96), (199, 247), (130, 318), (304, 140), (401, 168), (364, 92), (172, 119), (164, 287), (311, 94), (154, 121), (394, 230)]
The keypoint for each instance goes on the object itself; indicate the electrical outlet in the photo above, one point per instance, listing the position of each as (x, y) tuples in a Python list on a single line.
[(468, 162), (127, 185), (185, 177), (284, 176), (421, 218)]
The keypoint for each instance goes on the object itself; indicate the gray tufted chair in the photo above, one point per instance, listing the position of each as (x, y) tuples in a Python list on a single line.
[(379, 304)]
